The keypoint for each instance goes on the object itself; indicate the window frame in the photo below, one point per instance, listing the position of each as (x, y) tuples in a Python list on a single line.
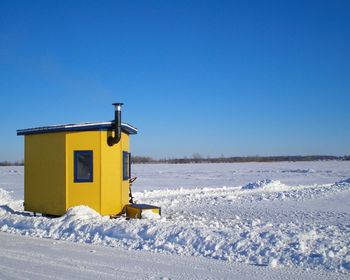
[(126, 166), (91, 164)]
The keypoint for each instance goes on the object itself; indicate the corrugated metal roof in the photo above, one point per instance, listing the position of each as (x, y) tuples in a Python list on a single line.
[(127, 128)]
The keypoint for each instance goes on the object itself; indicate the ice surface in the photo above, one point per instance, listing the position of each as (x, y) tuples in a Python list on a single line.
[(252, 213)]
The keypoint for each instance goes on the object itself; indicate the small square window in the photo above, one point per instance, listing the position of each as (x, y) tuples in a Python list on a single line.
[(126, 165), (83, 163)]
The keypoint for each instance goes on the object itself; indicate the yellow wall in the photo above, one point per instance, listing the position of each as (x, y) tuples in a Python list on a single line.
[(125, 183), (83, 193), (49, 173), (45, 189), (113, 194)]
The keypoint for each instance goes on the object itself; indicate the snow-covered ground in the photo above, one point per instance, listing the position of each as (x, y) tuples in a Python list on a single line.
[(263, 219)]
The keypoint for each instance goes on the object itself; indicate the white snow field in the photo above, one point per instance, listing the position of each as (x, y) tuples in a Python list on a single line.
[(236, 221)]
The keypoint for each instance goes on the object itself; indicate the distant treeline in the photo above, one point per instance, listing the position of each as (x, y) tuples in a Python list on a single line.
[(196, 158), (11, 163)]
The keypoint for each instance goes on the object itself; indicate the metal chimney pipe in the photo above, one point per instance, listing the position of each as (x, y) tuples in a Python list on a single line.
[(117, 125)]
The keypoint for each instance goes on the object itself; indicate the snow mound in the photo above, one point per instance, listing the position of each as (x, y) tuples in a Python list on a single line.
[(150, 215), (5, 197), (257, 184), (14, 171), (303, 171), (343, 182), (81, 212), (267, 184)]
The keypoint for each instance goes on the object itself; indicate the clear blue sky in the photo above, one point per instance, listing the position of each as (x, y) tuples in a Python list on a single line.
[(213, 77)]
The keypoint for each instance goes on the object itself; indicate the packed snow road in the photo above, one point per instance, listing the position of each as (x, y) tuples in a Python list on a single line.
[(272, 215), (23, 257)]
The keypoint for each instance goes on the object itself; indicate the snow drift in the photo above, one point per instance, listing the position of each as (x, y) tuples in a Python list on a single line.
[(267, 184)]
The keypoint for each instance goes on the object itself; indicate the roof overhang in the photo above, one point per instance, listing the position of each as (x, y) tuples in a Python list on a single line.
[(127, 128)]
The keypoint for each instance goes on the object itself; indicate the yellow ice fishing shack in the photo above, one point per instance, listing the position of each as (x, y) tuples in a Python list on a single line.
[(80, 164)]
